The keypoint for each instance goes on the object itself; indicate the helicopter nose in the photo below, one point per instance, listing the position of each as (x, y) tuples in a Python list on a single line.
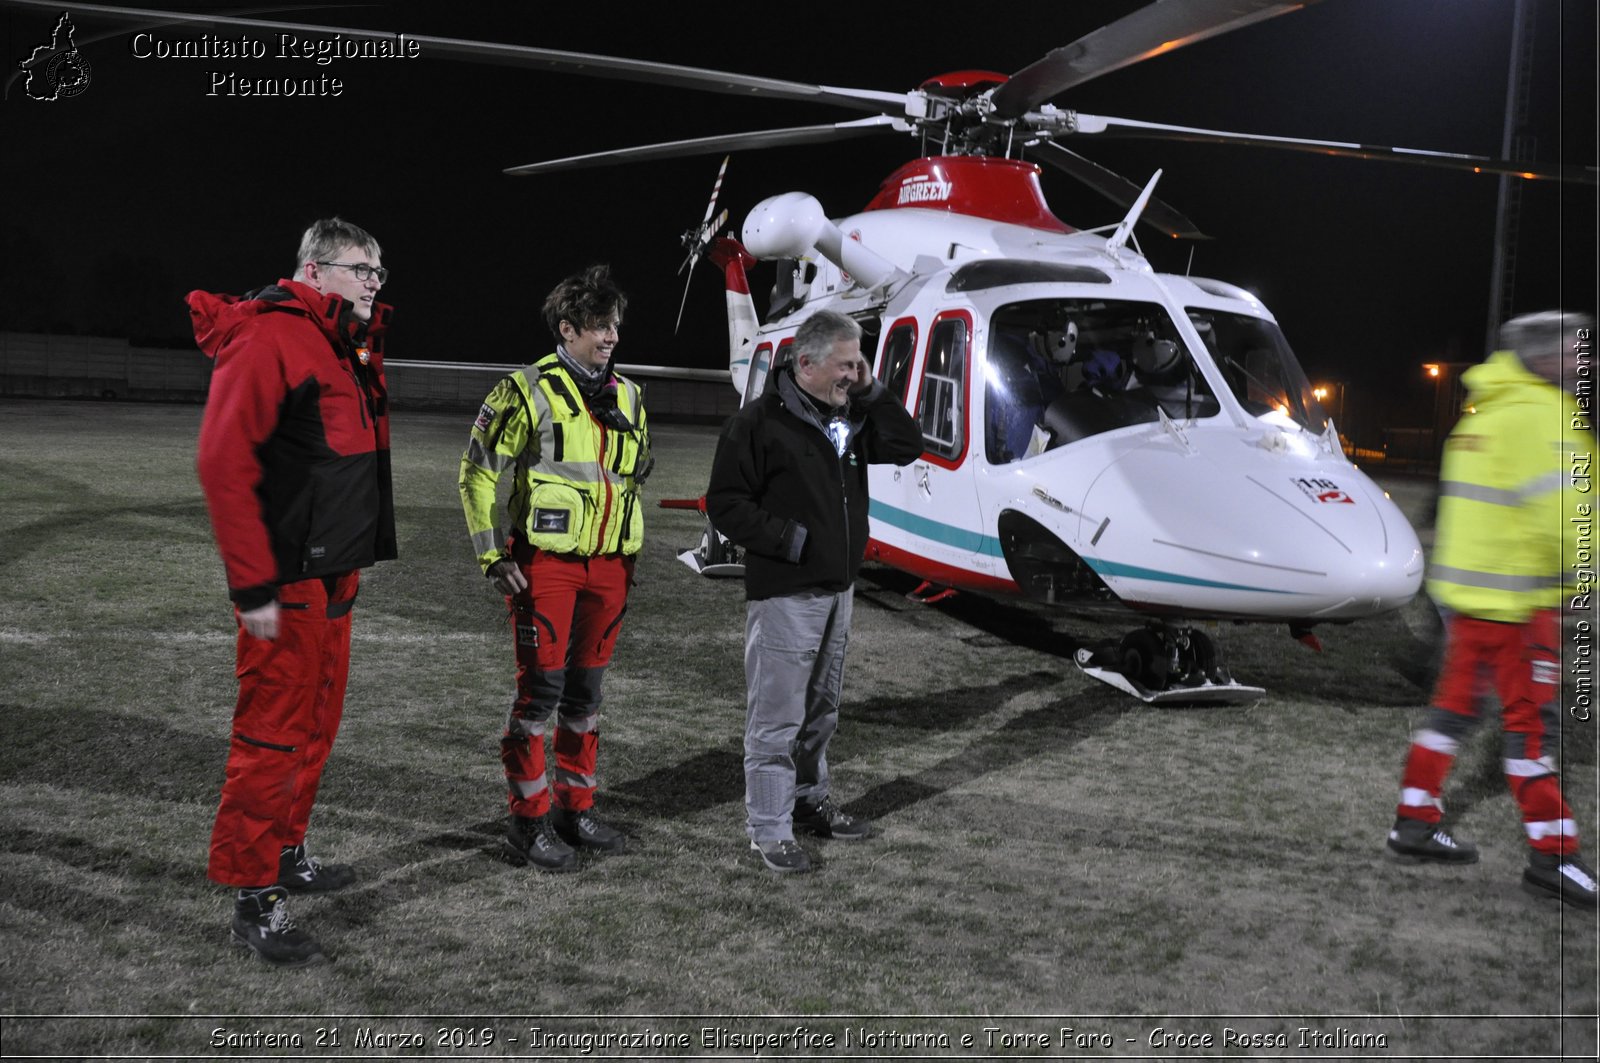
[(1268, 534)]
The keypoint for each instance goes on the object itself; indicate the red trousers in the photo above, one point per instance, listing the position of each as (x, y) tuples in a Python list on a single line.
[(1520, 664), (291, 697), (566, 625)]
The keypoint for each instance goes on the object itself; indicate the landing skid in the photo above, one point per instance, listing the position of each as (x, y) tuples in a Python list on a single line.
[(1165, 665), (1205, 694), (716, 556)]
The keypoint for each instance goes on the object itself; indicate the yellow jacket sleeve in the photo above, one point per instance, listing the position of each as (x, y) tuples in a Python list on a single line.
[(503, 429)]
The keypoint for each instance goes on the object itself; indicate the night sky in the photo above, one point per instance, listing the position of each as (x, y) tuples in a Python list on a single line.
[(124, 197)]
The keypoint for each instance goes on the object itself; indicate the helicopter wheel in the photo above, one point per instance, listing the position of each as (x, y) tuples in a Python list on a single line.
[(715, 549), (1145, 659), (1199, 661)]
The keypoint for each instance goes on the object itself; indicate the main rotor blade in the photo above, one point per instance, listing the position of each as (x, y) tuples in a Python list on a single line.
[(1163, 26), (672, 149), (603, 66), (1129, 127), (1119, 190)]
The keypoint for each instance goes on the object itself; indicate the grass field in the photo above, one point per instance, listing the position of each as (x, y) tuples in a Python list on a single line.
[(1051, 854)]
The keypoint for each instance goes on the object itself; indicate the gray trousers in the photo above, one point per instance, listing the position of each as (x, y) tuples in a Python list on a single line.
[(794, 671)]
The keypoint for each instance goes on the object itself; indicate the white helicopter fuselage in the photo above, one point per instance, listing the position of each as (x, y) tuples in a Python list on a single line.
[(1218, 500)]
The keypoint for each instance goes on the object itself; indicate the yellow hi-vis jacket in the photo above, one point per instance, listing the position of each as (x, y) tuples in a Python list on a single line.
[(1505, 492), (576, 483)]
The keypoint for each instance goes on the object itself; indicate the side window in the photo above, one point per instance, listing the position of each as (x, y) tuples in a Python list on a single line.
[(894, 368), (941, 405), (756, 381)]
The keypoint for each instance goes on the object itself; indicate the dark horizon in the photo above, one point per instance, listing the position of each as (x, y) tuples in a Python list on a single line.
[(143, 186)]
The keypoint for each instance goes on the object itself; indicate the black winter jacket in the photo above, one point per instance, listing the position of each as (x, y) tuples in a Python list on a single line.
[(780, 489)]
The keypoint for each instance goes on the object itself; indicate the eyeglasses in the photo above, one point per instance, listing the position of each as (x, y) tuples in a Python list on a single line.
[(362, 271)]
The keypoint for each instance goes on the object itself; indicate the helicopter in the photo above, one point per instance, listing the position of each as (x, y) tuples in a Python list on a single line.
[(1098, 435)]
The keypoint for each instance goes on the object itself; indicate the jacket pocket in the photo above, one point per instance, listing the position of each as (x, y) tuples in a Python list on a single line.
[(341, 523), (555, 517)]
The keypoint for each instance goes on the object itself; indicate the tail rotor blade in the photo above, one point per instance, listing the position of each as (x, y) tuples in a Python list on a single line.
[(716, 188), (685, 300)]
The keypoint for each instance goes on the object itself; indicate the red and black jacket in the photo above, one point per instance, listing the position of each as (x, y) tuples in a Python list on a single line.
[(294, 445)]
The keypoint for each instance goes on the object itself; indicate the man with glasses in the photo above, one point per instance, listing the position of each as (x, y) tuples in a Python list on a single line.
[(294, 463), (572, 434)]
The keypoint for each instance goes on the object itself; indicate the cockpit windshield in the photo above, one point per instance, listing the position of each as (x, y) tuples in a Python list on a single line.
[(1060, 370), (1261, 370)]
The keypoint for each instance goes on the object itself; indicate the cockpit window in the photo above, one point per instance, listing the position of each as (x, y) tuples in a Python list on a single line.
[(1261, 370), (1060, 370)]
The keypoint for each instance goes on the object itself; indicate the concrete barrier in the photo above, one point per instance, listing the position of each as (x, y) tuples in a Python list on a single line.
[(39, 365)]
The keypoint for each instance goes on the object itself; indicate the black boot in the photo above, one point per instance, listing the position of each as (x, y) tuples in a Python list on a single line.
[(1566, 877), (299, 873), (533, 840), (585, 830), (261, 923)]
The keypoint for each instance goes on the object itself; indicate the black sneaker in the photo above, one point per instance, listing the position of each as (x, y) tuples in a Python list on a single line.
[(1567, 877), (533, 840), (826, 821), (299, 873), (785, 857), (1428, 841), (584, 830), (261, 923)]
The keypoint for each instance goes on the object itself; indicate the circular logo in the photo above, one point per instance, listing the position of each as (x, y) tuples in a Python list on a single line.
[(68, 74)]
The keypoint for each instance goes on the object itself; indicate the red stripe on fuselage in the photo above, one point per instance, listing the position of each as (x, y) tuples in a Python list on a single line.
[(937, 572)]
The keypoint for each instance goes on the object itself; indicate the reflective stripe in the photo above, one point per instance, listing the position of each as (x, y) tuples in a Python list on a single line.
[(484, 458), (1413, 798), (485, 542), (1494, 496), (1492, 581), (579, 725), (1434, 741), (577, 473), (1530, 769), (525, 728), (572, 778), (526, 788), (1551, 828), (1542, 485)]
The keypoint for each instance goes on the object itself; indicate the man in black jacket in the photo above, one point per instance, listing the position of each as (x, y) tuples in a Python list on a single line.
[(789, 484)]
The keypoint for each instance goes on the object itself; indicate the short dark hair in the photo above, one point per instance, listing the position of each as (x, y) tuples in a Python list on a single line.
[(585, 299), (329, 236)]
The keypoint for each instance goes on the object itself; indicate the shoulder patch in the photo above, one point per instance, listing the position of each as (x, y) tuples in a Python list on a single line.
[(486, 415)]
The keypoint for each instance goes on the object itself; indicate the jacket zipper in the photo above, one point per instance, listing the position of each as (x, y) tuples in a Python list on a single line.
[(605, 482)]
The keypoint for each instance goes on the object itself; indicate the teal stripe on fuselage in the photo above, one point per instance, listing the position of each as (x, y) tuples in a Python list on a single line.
[(926, 528), (1116, 568), (988, 545)]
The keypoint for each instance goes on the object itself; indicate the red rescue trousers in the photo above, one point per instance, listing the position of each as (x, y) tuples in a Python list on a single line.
[(291, 697), (565, 625), (1519, 663)]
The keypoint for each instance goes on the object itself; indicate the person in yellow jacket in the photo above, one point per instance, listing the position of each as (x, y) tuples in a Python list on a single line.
[(1497, 573), (573, 436)]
